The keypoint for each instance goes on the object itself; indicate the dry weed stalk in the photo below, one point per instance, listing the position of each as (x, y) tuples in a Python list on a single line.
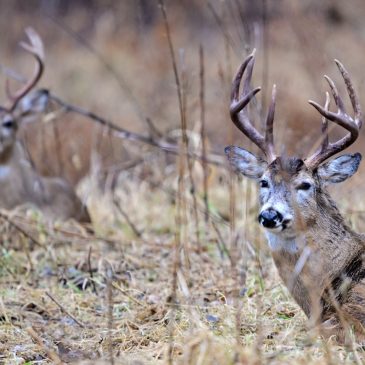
[(124, 214), (189, 161), (110, 306), (8, 218), (203, 134), (181, 205), (50, 353), (64, 310), (234, 250), (91, 271), (4, 311)]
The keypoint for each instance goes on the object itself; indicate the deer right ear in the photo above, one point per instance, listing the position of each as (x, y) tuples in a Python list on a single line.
[(339, 169), (245, 162)]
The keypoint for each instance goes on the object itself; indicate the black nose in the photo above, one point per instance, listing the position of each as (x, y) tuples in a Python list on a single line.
[(269, 218)]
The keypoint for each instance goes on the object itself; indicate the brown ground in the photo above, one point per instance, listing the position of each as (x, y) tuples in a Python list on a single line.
[(121, 300)]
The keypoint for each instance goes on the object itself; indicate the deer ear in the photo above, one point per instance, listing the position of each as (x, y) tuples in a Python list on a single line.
[(339, 169), (245, 162), (35, 102)]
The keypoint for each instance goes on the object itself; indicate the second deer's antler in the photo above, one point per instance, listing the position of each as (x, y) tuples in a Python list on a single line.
[(239, 113), (35, 47), (352, 125)]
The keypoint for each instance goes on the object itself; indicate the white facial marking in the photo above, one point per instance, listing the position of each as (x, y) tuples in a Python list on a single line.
[(4, 171), (278, 243), (283, 209)]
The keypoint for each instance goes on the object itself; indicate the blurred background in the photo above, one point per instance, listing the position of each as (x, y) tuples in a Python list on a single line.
[(112, 58), (180, 269)]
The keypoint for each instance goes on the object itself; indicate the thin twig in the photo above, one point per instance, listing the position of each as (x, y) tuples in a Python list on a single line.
[(50, 353), (109, 293), (180, 193), (91, 271), (266, 63), (128, 296), (62, 308), (124, 214), (125, 134), (222, 247), (27, 255), (21, 230), (186, 147), (203, 134)]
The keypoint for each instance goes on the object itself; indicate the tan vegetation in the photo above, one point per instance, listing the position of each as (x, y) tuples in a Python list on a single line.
[(145, 288)]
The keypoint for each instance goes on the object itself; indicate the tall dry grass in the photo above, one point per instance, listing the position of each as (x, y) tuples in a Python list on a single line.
[(158, 282)]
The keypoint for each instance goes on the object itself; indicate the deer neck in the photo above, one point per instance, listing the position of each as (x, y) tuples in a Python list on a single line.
[(331, 235), (311, 259), (7, 156), (13, 160)]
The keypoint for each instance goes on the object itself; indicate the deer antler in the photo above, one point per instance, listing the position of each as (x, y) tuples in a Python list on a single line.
[(341, 118), (239, 114), (35, 47)]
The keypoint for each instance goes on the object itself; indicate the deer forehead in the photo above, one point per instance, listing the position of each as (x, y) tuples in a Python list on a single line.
[(283, 171)]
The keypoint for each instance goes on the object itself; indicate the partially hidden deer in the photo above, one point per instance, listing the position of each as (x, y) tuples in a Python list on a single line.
[(20, 183), (318, 256)]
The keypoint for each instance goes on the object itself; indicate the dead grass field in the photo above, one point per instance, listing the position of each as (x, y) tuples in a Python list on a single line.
[(142, 287), (114, 291)]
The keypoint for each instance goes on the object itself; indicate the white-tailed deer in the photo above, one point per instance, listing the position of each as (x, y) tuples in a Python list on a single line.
[(19, 182), (318, 256)]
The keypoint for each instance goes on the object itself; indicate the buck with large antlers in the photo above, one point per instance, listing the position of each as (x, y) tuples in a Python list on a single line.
[(19, 181), (318, 256)]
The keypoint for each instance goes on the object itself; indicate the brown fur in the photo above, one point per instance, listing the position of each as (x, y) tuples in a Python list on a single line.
[(21, 184), (330, 288)]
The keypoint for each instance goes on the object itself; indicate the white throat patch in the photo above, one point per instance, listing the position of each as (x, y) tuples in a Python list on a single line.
[(277, 243), (4, 171)]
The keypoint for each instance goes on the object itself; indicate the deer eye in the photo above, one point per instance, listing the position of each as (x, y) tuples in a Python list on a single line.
[(304, 186), (8, 123), (264, 184)]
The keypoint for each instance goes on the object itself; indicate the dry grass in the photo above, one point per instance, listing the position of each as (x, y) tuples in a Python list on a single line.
[(156, 297), (272, 328)]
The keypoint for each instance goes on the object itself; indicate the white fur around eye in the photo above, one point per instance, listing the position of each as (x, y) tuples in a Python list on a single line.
[(304, 196), (264, 193)]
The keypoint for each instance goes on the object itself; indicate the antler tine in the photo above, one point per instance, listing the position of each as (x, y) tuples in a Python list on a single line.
[(352, 94), (239, 114), (35, 47), (336, 96), (236, 104), (269, 130), (341, 118), (325, 141)]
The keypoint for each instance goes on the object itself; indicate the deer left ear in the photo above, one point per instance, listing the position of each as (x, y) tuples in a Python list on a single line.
[(339, 169), (245, 162)]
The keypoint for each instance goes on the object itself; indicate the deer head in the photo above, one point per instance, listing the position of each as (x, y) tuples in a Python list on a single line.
[(293, 190), (10, 116)]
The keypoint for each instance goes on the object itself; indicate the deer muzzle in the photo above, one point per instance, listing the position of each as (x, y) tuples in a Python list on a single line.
[(270, 218)]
